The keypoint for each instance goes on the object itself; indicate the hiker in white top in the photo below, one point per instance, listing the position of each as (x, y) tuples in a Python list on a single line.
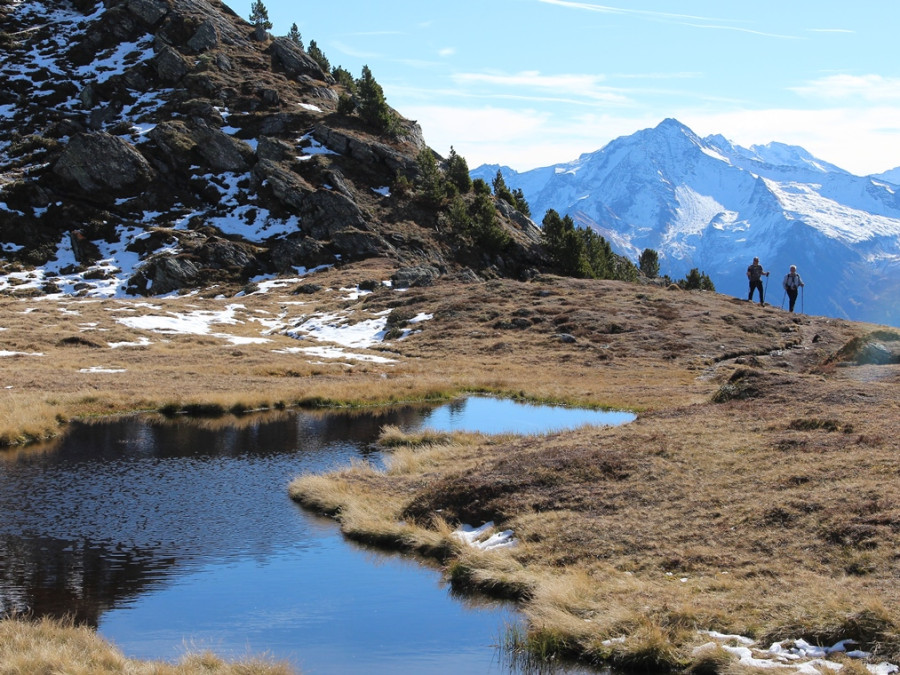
[(791, 283)]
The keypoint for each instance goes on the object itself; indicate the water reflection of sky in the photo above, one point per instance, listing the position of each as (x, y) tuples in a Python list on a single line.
[(175, 534), (496, 416)]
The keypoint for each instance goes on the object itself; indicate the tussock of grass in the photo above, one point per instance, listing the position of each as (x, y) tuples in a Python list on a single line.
[(393, 437), (49, 646), (649, 648), (27, 418)]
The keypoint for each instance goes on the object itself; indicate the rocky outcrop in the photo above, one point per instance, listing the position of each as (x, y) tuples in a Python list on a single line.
[(171, 65), (148, 11), (188, 143), (102, 166), (366, 152), (164, 274), (212, 139), (325, 213), (293, 61), (420, 275)]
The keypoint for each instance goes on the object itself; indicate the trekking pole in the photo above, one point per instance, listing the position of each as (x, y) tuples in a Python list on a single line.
[(783, 296), (801, 301), (767, 289)]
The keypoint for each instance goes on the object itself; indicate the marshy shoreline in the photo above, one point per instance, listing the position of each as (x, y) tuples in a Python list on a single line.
[(754, 496)]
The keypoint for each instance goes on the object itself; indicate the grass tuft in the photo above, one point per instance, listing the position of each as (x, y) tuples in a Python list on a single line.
[(60, 646)]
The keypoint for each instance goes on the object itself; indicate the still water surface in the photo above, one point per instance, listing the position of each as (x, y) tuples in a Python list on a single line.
[(176, 535)]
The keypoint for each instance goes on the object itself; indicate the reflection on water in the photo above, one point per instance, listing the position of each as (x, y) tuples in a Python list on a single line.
[(163, 532), (498, 416)]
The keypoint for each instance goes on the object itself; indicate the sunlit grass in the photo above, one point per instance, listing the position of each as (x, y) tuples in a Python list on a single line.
[(48, 646)]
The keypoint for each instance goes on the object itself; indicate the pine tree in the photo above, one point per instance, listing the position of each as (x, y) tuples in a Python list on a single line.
[(318, 56), (649, 263), (521, 203), (501, 190), (344, 78), (259, 15), (486, 231), (458, 171), (697, 281), (294, 36), (430, 181), (373, 108)]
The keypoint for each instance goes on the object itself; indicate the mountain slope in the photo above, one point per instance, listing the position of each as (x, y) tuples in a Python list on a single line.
[(709, 204), (148, 146)]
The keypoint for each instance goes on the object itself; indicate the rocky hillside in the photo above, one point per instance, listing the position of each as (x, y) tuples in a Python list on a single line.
[(148, 146)]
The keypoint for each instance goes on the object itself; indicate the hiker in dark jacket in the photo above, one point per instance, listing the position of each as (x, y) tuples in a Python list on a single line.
[(755, 274), (791, 283)]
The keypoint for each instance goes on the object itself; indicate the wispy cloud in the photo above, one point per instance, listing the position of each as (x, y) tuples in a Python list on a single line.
[(694, 21), (570, 86), (831, 30), (741, 29), (607, 9), (349, 50), (447, 51), (859, 88)]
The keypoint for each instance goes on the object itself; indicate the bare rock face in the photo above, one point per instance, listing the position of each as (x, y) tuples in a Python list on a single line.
[(206, 37), (103, 165), (148, 11), (294, 61), (325, 213), (186, 143), (288, 254), (171, 66), (419, 275), (164, 274)]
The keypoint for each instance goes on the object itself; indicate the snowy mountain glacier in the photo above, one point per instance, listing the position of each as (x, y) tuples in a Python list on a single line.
[(713, 205)]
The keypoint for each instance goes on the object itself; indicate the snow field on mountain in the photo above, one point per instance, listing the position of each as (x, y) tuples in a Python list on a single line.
[(835, 220)]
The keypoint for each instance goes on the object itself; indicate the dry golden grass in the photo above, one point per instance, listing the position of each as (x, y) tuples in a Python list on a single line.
[(48, 646), (755, 493)]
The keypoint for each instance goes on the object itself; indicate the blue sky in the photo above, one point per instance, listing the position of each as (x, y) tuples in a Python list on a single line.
[(530, 83)]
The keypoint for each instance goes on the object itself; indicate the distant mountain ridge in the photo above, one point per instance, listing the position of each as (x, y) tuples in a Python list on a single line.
[(713, 205)]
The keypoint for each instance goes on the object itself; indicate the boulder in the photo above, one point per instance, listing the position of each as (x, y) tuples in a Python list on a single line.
[(148, 11), (103, 165), (188, 143), (225, 254), (295, 62), (356, 244), (171, 66), (420, 275), (324, 213), (206, 37), (163, 274), (288, 188), (275, 149), (877, 353), (288, 254)]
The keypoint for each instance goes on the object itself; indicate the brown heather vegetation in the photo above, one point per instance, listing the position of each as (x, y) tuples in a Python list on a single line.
[(755, 494)]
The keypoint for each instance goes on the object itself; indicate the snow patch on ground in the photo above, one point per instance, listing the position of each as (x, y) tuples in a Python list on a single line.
[(337, 328), (334, 353), (798, 656), (485, 538)]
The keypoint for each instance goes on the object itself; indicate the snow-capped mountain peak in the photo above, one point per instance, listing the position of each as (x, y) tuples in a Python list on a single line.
[(714, 205)]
